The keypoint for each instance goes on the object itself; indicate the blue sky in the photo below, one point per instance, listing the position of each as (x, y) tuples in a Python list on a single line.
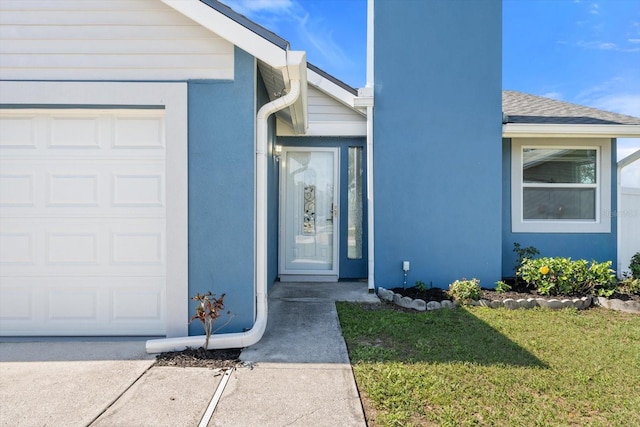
[(581, 51)]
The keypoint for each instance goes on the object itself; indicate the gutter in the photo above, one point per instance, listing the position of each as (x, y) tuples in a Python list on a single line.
[(253, 335)]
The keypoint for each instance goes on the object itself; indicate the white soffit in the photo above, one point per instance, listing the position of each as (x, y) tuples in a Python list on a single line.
[(513, 130)]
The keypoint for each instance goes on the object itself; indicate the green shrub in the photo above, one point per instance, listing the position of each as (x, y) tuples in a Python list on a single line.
[(629, 286), (465, 290), (635, 265), (502, 287), (523, 253), (419, 285), (562, 276)]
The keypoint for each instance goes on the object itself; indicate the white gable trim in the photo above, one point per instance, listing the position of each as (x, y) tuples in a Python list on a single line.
[(333, 90), (229, 29)]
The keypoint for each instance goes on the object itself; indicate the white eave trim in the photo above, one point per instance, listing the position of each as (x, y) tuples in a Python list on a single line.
[(333, 90), (292, 64), (522, 130), (629, 159), (232, 31)]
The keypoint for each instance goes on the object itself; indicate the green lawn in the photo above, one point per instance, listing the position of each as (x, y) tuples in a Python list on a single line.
[(481, 366)]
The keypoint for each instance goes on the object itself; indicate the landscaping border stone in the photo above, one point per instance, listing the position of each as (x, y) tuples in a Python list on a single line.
[(509, 303), (618, 305)]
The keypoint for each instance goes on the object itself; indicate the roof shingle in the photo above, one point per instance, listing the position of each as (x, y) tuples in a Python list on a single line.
[(521, 107)]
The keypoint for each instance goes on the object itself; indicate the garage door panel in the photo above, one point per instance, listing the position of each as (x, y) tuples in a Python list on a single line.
[(82, 306), (138, 190), (17, 189), (137, 303), (18, 132), (16, 248), (138, 132), (83, 222), (72, 189), (82, 246), (56, 188), (77, 133), (16, 304)]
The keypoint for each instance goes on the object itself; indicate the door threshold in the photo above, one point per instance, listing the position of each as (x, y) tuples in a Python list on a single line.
[(308, 278)]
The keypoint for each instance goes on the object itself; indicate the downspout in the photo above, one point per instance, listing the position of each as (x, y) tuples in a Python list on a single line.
[(370, 86), (253, 335)]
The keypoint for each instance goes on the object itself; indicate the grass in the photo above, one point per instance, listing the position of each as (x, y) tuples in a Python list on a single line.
[(480, 366)]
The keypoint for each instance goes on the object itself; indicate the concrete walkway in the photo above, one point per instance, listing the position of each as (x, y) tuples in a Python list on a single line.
[(298, 375)]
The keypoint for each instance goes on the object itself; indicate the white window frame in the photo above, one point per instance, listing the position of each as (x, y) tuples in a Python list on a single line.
[(602, 222)]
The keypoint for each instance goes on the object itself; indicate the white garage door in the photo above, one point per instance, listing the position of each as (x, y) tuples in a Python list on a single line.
[(82, 222)]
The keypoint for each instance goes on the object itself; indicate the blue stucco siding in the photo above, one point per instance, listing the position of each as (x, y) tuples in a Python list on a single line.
[(437, 141), (590, 246), (221, 191)]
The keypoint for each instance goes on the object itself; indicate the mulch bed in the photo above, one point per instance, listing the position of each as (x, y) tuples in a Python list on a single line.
[(199, 358)]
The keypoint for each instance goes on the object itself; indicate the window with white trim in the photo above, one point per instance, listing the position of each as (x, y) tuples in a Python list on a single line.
[(561, 185)]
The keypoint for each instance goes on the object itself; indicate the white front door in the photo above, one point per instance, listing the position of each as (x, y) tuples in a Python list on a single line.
[(309, 194)]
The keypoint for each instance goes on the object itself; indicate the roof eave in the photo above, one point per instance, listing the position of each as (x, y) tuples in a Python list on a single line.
[(536, 130), (334, 90), (292, 64), (234, 32)]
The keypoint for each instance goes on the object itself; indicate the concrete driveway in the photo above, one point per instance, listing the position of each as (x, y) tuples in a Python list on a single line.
[(76, 383), (297, 375)]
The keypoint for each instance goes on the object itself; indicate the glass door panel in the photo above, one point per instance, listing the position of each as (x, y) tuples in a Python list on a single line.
[(309, 211)]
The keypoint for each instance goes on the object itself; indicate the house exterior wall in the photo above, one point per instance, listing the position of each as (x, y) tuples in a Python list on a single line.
[(107, 40), (437, 133), (590, 246), (221, 190)]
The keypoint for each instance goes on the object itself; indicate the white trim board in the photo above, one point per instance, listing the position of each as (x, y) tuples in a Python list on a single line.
[(173, 98), (531, 130)]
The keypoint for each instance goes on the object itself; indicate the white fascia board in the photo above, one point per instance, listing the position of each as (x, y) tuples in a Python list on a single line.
[(522, 130), (333, 90), (230, 30), (364, 98)]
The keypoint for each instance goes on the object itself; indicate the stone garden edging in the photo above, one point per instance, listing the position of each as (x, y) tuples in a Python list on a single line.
[(555, 304), (618, 305)]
